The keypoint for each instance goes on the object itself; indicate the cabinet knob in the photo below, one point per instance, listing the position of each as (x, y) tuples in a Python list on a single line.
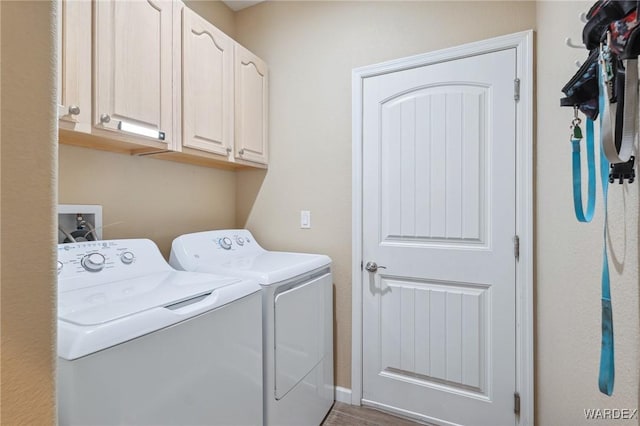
[(105, 118), (228, 150), (74, 110), (241, 152)]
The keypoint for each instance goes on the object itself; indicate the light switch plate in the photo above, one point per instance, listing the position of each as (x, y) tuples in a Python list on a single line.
[(305, 219)]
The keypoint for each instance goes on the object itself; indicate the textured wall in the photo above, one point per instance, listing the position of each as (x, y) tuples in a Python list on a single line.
[(27, 310), (143, 197), (569, 254), (311, 48)]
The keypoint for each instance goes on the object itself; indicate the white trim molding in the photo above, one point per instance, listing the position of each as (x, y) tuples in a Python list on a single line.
[(343, 395), (522, 42)]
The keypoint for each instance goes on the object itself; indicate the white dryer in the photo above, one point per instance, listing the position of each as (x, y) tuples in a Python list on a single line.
[(297, 318), (140, 343)]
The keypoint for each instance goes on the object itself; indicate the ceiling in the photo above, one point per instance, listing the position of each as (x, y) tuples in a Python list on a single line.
[(237, 5)]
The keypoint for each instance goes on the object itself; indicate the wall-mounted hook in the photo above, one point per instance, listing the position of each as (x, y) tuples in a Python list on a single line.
[(623, 171), (570, 44), (583, 17)]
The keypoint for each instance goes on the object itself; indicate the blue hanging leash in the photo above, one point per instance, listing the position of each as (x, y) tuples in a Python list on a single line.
[(576, 137), (606, 376)]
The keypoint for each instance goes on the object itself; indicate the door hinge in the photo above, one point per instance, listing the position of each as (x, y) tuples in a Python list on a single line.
[(516, 403), (516, 89), (516, 247)]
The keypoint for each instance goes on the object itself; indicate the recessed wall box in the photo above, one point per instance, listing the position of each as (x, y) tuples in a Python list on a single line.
[(79, 221)]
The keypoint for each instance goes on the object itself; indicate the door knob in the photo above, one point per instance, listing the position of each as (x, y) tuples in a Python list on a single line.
[(373, 267)]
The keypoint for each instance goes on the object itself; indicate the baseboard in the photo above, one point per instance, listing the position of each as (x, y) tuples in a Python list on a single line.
[(343, 395)]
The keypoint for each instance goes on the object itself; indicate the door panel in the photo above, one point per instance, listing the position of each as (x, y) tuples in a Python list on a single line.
[(439, 216), (74, 80), (435, 330), (301, 321), (207, 70), (137, 53), (440, 201), (251, 106), (134, 56)]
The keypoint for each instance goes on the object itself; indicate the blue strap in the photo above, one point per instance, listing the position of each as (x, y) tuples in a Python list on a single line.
[(577, 176), (607, 365)]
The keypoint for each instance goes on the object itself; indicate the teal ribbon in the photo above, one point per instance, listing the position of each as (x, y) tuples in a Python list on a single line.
[(577, 175), (606, 377)]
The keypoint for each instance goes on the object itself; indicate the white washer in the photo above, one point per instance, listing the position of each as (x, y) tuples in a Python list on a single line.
[(140, 343), (297, 318)]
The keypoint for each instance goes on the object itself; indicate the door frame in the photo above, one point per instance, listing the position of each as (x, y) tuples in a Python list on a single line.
[(523, 43)]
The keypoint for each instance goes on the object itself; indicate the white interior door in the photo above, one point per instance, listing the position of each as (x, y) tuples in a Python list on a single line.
[(439, 208)]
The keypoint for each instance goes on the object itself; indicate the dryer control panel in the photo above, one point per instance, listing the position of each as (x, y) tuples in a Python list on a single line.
[(232, 240), (189, 250)]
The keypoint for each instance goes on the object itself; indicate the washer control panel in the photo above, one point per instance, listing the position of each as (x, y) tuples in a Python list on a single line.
[(127, 257), (110, 260), (93, 262)]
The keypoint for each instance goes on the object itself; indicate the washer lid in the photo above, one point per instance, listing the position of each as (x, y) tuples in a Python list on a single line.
[(95, 318), (268, 267)]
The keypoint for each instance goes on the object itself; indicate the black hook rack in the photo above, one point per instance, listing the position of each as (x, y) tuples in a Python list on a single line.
[(622, 171)]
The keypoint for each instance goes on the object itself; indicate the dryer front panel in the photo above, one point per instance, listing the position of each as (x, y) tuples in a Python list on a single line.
[(303, 317)]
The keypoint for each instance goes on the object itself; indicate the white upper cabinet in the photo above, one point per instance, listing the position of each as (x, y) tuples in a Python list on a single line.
[(251, 74), (74, 65), (133, 69), (152, 77), (207, 86)]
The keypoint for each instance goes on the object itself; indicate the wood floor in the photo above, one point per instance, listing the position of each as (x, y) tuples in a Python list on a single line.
[(350, 415)]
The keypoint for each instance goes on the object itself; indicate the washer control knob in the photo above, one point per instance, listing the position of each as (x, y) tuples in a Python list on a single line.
[(240, 241), (93, 262), (225, 243), (60, 266), (127, 257)]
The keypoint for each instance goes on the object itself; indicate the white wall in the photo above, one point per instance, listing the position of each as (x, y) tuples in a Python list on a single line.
[(569, 254)]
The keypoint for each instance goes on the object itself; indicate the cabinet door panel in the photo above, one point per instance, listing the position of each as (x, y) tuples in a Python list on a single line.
[(207, 75), (134, 64), (251, 107), (74, 78)]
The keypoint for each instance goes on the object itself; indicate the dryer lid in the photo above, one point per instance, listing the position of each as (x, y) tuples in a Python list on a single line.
[(268, 267)]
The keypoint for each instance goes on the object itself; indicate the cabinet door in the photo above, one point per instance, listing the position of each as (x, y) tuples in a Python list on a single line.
[(251, 107), (133, 75), (74, 65), (207, 91)]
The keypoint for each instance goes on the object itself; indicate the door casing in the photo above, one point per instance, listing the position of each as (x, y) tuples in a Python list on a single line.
[(523, 43)]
